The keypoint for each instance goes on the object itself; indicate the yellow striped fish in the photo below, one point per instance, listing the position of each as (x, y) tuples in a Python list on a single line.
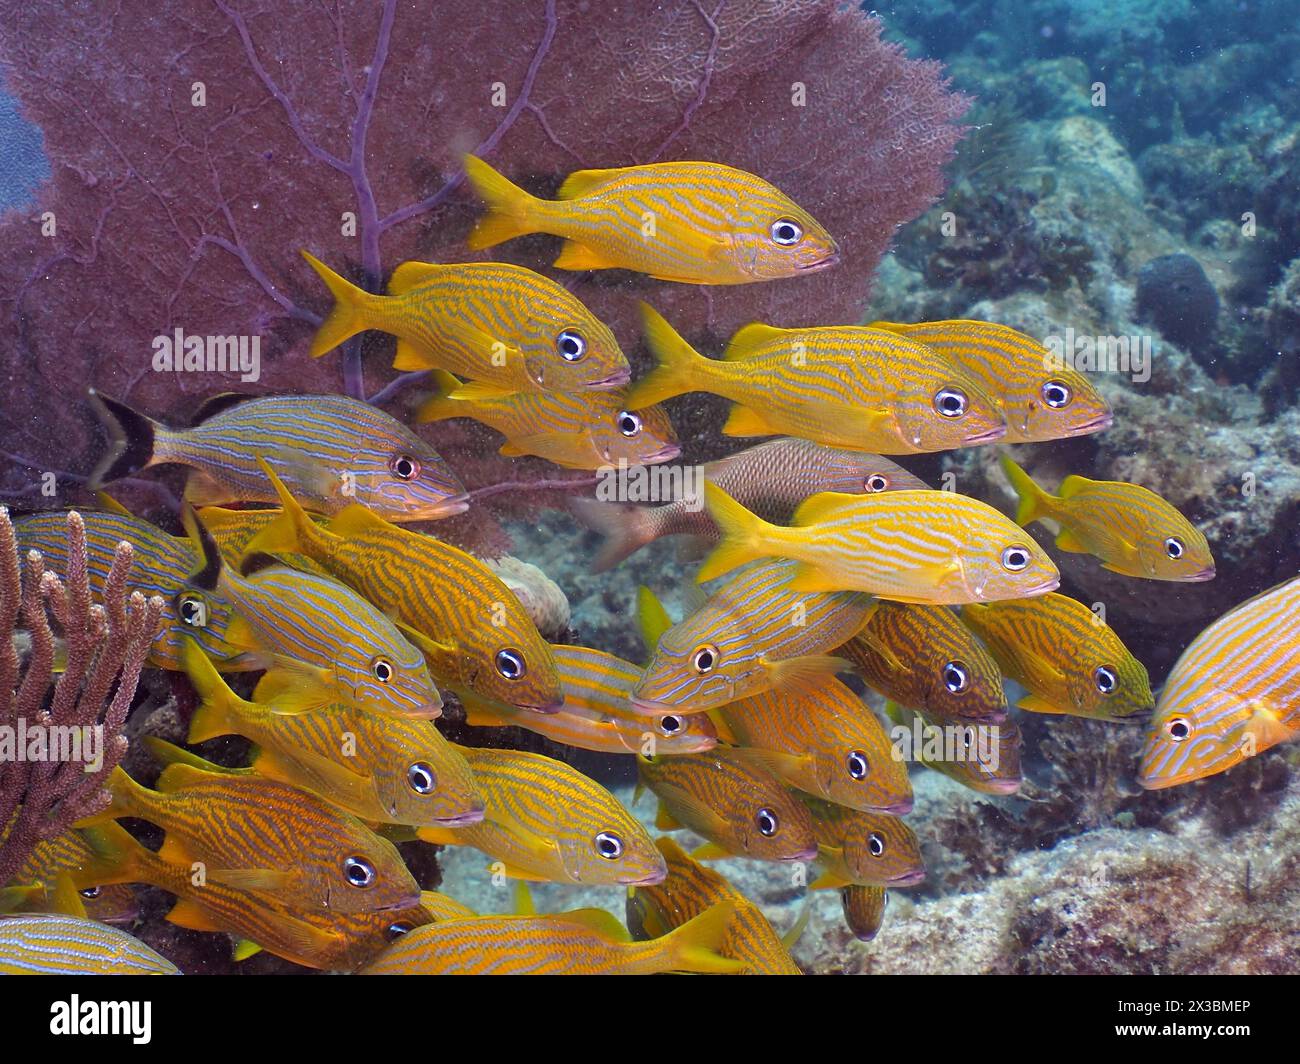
[(585, 942), (864, 910), (868, 849), (162, 566), (476, 637), (924, 658), (574, 431), (821, 738), (503, 325), (234, 530), (386, 770), (37, 886), (597, 713), (982, 756), (1234, 692), (933, 547), (54, 944), (844, 386), (320, 640), (769, 478), (1064, 655), (1041, 398), (333, 451), (251, 833), (740, 808), (693, 222), (1132, 530), (691, 889), (753, 634), (443, 906), (546, 821)]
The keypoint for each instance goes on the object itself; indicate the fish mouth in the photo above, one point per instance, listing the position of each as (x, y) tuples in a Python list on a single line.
[(614, 380), (461, 820), (1002, 786), (1200, 577), (908, 879), (449, 507), (900, 808), (649, 705), (553, 706), (650, 879), (824, 263), (1050, 584), (806, 854), (1098, 424), (665, 454), (995, 433)]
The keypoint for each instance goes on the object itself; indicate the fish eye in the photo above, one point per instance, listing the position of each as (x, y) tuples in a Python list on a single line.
[(91, 892), (1056, 394), (609, 846), (1104, 677), (670, 725), (955, 677), (421, 778), (877, 482), (1178, 729), (404, 467), (571, 345), (705, 658), (858, 765), (1174, 547), (949, 402), (1015, 559), (767, 822), (382, 669), (786, 232), (398, 928), (192, 610), (359, 872), (629, 424), (510, 663), (876, 843)]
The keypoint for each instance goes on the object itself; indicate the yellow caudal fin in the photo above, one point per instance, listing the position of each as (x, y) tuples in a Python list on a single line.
[(440, 406), (510, 210), (128, 799), (220, 705), (652, 618), (694, 946), (678, 366), (743, 534), (1034, 501), (351, 313), (118, 856)]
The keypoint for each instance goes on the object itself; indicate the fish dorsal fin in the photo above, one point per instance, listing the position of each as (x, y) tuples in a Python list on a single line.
[(217, 404), (180, 776), (581, 182), (824, 506), (411, 275), (652, 618), (170, 754), (890, 326), (110, 505), (749, 339), (605, 924), (1074, 484)]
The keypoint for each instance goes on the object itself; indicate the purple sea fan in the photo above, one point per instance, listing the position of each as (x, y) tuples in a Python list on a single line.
[(105, 647)]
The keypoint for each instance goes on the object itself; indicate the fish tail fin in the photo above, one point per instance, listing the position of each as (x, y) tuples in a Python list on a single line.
[(215, 714), (626, 528), (694, 946), (207, 576), (118, 856), (288, 532), (510, 210), (1032, 498), (742, 534), (128, 798), (440, 406), (677, 367), (132, 440), (350, 313)]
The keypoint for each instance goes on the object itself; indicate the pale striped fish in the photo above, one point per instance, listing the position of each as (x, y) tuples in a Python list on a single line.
[(693, 222), (585, 942), (769, 478), (597, 713), (546, 821), (475, 635), (320, 640), (843, 386), (982, 756), (691, 889), (161, 565), (864, 848), (333, 451), (1131, 529), (1064, 655), (752, 635), (505, 326), (739, 807), (1040, 396), (933, 547), (575, 431), (54, 944), (924, 658), (864, 909), (1234, 692), (382, 769), (822, 738)]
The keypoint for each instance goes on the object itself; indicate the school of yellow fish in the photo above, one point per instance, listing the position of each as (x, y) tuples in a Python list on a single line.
[(823, 558)]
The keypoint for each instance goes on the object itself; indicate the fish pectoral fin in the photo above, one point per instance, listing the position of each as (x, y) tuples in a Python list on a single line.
[(483, 391), (332, 778), (779, 762), (244, 949), (251, 878), (1266, 729), (806, 669), (711, 851), (698, 816), (1037, 704), (829, 880), (65, 898), (665, 821), (515, 872), (539, 443), (292, 687), (425, 644), (746, 421), (190, 916), (576, 256)]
